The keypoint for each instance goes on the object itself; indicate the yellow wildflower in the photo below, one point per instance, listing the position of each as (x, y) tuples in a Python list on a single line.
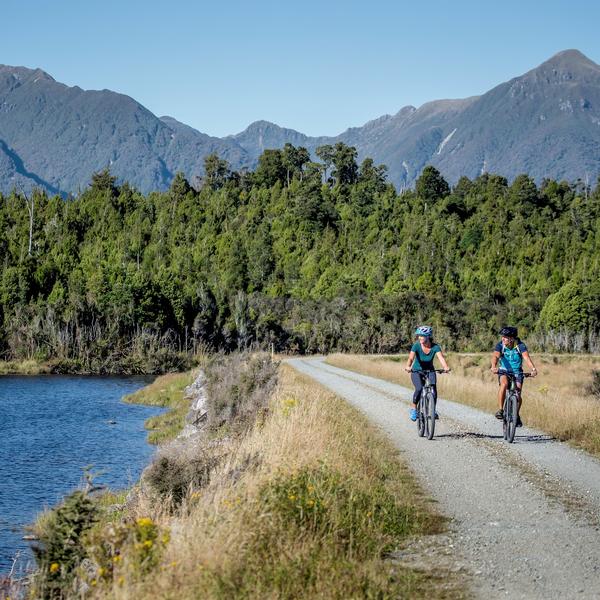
[(148, 543), (54, 567), (145, 522)]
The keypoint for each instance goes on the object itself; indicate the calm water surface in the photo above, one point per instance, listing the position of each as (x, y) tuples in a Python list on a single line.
[(51, 427)]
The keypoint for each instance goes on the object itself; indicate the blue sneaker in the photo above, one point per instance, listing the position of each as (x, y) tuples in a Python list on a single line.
[(436, 415), (413, 414)]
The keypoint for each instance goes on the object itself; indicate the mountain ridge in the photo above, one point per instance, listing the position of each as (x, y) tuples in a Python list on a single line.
[(545, 122)]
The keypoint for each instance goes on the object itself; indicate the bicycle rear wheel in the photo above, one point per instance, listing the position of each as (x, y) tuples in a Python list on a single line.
[(510, 417), (429, 415)]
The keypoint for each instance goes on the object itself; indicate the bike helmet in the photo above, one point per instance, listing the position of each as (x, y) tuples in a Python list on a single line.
[(424, 330), (509, 332)]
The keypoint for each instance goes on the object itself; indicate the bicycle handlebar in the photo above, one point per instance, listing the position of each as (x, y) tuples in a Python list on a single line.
[(430, 371), (509, 374)]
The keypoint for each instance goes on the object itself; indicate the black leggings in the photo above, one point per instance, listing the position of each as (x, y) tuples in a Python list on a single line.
[(417, 379)]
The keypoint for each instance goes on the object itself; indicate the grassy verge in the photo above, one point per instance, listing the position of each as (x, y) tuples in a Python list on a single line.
[(166, 391), (306, 500), (24, 367), (559, 401), (304, 506)]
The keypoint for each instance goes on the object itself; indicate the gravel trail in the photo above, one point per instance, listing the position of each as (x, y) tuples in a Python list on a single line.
[(525, 517)]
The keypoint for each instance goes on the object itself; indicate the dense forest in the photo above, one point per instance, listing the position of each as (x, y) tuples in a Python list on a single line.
[(300, 255)]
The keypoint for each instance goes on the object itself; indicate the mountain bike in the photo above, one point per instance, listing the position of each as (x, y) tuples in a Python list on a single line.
[(510, 407), (426, 405)]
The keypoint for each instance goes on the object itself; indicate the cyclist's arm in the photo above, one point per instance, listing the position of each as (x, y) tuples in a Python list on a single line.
[(495, 359), (410, 361), (530, 363), (443, 361)]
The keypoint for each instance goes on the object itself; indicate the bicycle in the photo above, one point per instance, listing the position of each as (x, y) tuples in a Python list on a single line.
[(510, 407), (426, 405)]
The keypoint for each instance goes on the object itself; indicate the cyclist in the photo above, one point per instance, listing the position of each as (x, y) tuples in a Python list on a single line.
[(510, 352), (420, 359)]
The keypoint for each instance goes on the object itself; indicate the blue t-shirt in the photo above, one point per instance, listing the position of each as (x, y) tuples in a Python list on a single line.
[(511, 359), (424, 362)]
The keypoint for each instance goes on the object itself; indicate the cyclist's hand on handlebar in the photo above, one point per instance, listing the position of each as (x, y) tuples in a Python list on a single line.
[(447, 370), (407, 369), (494, 370), (533, 373)]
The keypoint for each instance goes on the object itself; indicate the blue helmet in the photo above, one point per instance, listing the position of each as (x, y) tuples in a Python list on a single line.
[(509, 332), (424, 330)]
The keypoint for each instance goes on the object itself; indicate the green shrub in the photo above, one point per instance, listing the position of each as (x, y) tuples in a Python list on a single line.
[(132, 547), (61, 544)]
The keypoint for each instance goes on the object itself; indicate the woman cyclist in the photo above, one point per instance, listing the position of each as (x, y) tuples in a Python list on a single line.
[(510, 351), (420, 360)]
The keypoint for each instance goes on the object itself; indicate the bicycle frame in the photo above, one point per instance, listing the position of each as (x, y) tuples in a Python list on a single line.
[(426, 405), (510, 406)]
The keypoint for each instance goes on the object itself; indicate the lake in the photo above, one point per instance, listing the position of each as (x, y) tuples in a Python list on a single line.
[(51, 428)]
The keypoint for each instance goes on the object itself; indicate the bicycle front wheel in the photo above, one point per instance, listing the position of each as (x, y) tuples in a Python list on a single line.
[(510, 417), (421, 416), (429, 415)]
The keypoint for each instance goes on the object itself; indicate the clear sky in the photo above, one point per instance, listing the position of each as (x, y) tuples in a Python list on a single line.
[(315, 66)]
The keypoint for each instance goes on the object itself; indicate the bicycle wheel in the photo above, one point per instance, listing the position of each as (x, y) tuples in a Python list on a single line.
[(421, 416), (429, 415), (504, 419), (511, 417)]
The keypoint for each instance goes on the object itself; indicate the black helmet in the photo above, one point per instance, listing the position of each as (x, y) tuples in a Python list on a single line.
[(509, 332)]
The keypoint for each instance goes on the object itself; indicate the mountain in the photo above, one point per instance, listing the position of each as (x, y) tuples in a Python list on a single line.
[(57, 136), (545, 123)]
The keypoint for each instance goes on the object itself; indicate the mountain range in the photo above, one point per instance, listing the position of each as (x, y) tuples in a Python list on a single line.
[(545, 123)]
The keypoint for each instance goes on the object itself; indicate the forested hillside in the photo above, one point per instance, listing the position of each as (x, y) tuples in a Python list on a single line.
[(307, 256)]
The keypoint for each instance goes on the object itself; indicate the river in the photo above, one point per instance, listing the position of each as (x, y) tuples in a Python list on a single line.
[(51, 428)]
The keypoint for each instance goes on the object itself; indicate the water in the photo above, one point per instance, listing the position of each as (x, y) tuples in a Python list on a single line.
[(51, 427)]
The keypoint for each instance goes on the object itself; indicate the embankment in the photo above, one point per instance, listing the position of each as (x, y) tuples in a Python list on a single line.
[(282, 490)]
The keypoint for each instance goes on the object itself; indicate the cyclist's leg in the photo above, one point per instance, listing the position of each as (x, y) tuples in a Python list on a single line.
[(432, 376), (417, 381), (519, 383), (502, 387)]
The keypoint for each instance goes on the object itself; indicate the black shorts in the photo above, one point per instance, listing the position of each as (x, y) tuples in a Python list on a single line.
[(517, 376)]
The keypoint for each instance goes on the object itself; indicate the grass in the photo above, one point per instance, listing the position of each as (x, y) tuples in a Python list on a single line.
[(305, 504), (166, 391), (24, 367), (559, 401)]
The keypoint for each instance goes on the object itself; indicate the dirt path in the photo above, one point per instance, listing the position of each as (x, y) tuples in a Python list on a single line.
[(525, 518)]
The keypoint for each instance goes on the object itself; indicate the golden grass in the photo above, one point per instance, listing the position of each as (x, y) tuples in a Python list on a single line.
[(275, 521), (165, 391), (557, 401), (24, 367)]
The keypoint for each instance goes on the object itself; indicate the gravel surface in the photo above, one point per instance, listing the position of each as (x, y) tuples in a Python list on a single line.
[(525, 517)]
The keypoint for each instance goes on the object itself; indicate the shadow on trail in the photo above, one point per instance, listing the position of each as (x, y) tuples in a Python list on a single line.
[(533, 439), (461, 435)]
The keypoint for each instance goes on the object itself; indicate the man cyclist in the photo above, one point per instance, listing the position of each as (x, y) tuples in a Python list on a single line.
[(510, 352), (420, 359)]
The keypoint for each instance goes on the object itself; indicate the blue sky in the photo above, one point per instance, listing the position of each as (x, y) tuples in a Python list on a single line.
[(318, 67)]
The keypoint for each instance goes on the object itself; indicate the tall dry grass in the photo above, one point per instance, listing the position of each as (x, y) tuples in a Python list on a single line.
[(559, 400), (305, 505)]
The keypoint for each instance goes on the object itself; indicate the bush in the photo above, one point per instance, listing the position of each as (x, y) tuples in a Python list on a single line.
[(239, 387), (61, 546), (134, 547), (179, 467)]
